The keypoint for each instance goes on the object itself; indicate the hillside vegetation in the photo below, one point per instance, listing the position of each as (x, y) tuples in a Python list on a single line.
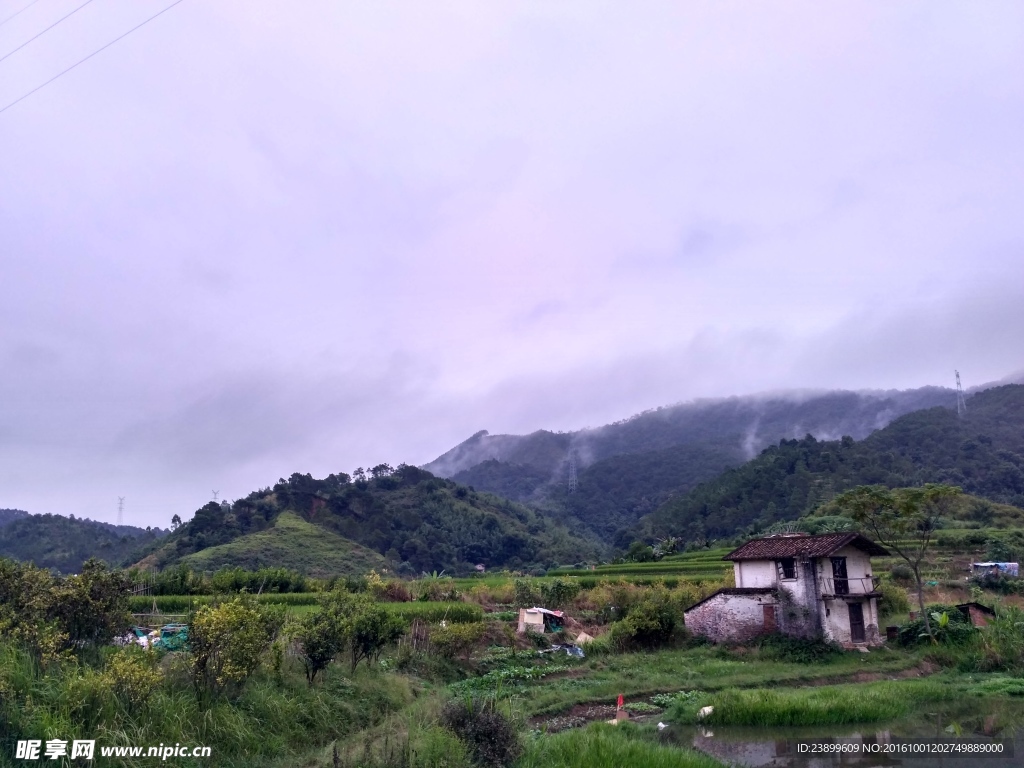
[(982, 452), (405, 518), (294, 544), (65, 543), (630, 468)]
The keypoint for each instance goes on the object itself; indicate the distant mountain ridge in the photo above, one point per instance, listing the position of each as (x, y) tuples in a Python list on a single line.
[(628, 469), (981, 451), (65, 543), (751, 423)]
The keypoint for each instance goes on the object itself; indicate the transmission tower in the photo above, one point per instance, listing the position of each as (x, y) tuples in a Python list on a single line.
[(120, 510), (572, 473), (961, 404), (215, 495)]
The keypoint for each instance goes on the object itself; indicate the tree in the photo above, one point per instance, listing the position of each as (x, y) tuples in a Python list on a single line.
[(175, 522), (227, 642), (321, 637), (902, 519), (370, 629)]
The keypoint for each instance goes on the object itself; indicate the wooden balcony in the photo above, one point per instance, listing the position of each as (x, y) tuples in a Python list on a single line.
[(857, 587)]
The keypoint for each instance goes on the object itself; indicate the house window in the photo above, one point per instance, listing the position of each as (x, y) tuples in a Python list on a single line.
[(787, 567)]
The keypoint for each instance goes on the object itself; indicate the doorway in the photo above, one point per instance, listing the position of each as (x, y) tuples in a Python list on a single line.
[(856, 622)]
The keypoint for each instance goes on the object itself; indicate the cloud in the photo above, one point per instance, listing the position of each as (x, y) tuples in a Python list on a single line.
[(255, 239)]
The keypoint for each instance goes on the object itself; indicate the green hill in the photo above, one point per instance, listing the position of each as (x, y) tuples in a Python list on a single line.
[(410, 519), (982, 452), (292, 543), (64, 543)]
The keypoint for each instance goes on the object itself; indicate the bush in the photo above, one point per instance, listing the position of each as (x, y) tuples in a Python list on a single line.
[(558, 592), (453, 640), (649, 624), (227, 642), (131, 675), (955, 629), (797, 650), (902, 574), (894, 600), (487, 733)]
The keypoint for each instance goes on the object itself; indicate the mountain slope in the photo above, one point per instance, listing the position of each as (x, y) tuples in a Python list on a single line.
[(413, 520), (982, 452), (628, 469), (64, 543)]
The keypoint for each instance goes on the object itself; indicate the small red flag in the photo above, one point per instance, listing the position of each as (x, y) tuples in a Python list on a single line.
[(619, 704)]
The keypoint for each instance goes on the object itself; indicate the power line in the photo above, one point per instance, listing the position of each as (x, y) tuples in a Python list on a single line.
[(18, 12), (82, 61), (58, 21)]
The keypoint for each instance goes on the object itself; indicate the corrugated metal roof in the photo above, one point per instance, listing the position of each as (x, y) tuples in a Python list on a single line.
[(822, 545)]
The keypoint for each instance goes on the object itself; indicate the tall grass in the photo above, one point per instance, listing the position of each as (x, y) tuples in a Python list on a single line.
[(606, 746), (828, 705), (271, 720)]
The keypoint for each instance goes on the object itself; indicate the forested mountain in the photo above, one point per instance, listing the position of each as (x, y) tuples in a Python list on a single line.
[(746, 423), (406, 516), (628, 469), (983, 452), (10, 515), (64, 543)]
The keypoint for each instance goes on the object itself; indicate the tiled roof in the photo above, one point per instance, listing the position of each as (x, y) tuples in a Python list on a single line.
[(822, 545)]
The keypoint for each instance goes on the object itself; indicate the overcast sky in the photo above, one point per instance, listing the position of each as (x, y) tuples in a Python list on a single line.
[(255, 238)]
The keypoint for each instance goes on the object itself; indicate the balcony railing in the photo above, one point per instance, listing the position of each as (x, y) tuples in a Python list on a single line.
[(852, 586)]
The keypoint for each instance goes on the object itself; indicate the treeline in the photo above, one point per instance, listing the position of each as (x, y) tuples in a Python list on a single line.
[(182, 580), (983, 453)]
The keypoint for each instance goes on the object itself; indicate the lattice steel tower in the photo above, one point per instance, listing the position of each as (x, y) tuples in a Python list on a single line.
[(572, 473), (961, 404), (120, 510)]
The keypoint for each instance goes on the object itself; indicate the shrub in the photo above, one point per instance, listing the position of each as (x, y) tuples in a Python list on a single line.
[(227, 642), (487, 733), (525, 595), (131, 675), (954, 629), (797, 650), (894, 600), (902, 573), (453, 640), (321, 637), (558, 592), (649, 624), (370, 628)]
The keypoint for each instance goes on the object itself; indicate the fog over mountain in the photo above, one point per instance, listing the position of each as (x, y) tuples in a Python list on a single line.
[(743, 424)]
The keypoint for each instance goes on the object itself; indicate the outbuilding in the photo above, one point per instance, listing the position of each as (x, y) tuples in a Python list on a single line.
[(797, 584)]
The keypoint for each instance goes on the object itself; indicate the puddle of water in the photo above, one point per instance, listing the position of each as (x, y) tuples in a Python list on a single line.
[(985, 721)]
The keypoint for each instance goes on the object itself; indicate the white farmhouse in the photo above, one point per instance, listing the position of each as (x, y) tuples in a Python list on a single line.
[(806, 586)]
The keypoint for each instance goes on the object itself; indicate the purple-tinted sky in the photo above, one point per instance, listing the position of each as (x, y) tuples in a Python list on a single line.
[(255, 238)]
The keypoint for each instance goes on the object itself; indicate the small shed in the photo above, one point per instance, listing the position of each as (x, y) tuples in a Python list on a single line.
[(540, 620), (979, 615), (995, 569)]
